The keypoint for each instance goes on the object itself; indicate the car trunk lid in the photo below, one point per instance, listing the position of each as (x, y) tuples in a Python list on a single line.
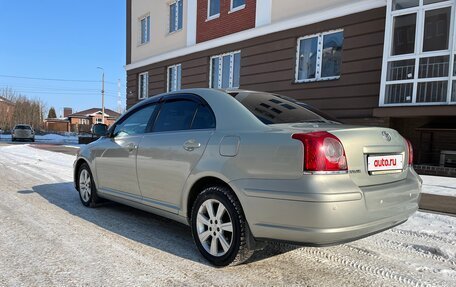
[(374, 155)]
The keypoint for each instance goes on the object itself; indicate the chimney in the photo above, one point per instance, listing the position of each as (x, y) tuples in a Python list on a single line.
[(67, 112)]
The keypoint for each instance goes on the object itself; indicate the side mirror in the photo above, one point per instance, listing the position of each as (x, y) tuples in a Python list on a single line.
[(99, 130)]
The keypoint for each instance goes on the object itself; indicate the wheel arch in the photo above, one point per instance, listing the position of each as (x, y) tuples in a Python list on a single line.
[(199, 185), (80, 161)]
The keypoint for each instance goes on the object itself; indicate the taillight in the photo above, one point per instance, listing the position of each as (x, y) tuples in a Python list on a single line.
[(323, 152), (410, 152)]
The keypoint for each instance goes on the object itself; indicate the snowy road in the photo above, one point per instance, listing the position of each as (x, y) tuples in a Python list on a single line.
[(48, 238)]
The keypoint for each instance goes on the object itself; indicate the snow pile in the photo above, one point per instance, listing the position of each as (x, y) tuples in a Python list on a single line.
[(57, 139), (439, 185)]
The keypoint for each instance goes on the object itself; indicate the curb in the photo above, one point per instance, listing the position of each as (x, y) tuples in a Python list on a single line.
[(439, 203)]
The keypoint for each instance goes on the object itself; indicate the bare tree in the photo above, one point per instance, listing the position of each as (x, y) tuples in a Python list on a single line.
[(26, 111)]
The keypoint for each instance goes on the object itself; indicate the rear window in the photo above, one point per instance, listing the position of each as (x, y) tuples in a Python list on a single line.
[(22, 127), (275, 109)]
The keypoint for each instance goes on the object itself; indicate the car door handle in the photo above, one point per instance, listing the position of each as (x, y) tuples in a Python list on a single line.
[(131, 147), (191, 145)]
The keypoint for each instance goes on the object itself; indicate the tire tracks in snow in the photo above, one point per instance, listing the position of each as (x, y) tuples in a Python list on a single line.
[(364, 267)]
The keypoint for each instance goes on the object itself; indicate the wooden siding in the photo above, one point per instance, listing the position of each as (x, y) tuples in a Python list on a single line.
[(268, 64)]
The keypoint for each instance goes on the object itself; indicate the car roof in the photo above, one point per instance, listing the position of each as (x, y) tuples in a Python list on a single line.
[(230, 114)]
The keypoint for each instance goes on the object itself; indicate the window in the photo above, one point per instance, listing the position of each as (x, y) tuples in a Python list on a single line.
[(143, 89), (145, 30), (279, 109), (213, 9), (174, 77), (99, 120), (225, 70), (175, 115), (319, 57), (175, 16), (237, 5), (136, 123), (204, 118), (418, 66)]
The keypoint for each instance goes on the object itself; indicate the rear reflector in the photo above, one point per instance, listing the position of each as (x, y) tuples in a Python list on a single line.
[(322, 152)]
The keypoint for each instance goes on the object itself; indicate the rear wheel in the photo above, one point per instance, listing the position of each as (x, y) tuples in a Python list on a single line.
[(87, 189), (219, 228)]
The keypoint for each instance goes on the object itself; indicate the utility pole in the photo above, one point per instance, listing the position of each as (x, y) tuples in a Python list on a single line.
[(119, 100), (102, 96)]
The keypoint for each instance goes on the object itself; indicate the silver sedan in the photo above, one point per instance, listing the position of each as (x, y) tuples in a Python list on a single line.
[(23, 132), (243, 168)]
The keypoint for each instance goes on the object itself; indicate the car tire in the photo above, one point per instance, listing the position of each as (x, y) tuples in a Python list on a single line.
[(222, 236), (86, 186)]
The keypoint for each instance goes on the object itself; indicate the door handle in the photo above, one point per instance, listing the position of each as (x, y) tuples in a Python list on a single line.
[(131, 147), (191, 145)]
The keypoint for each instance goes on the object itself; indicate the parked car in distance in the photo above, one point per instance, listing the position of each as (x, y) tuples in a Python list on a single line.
[(23, 132), (243, 168)]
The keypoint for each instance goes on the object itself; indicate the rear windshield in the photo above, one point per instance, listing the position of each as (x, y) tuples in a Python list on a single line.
[(22, 127), (275, 109)]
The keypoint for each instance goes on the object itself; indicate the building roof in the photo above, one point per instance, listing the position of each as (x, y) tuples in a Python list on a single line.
[(63, 120), (2, 99), (91, 112)]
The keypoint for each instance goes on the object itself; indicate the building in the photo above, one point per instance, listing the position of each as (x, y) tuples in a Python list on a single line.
[(6, 113), (372, 62), (82, 121)]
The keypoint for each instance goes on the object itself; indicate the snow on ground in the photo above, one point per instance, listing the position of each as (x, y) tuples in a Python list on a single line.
[(49, 138), (439, 185), (48, 238)]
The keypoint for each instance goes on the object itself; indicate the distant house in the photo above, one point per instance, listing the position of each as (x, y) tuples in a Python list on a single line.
[(93, 116), (81, 121), (6, 113)]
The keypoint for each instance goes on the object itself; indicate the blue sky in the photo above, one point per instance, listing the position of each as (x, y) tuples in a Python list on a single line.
[(63, 39)]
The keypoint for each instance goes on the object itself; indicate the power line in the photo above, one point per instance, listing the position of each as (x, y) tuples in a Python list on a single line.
[(56, 80)]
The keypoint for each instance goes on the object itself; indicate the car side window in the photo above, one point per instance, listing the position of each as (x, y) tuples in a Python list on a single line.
[(136, 123), (175, 115), (204, 118)]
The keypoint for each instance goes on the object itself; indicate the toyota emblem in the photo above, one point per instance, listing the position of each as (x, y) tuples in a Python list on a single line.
[(386, 136)]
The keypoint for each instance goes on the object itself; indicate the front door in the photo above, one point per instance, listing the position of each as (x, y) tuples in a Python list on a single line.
[(116, 167)]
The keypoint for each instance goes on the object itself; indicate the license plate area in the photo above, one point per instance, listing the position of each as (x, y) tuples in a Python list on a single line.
[(384, 164)]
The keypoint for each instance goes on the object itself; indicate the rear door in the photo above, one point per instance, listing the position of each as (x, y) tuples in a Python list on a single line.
[(167, 155), (116, 167)]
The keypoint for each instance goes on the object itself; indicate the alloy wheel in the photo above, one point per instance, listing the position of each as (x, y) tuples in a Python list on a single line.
[(214, 227), (85, 185)]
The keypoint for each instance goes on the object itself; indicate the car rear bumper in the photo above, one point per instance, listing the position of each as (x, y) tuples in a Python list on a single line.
[(325, 210), (22, 136)]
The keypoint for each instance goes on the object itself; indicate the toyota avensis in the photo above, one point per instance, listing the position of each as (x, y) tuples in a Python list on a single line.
[(243, 168)]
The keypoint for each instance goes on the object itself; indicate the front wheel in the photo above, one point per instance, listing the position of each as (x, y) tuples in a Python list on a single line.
[(219, 227), (87, 189)]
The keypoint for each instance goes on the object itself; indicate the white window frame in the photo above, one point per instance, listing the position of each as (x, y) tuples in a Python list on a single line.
[(318, 77), (234, 9), (173, 69), (140, 38), (209, 16), (220, 70), (140, 94), (418, 54), (176, 20), (98, 120)]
